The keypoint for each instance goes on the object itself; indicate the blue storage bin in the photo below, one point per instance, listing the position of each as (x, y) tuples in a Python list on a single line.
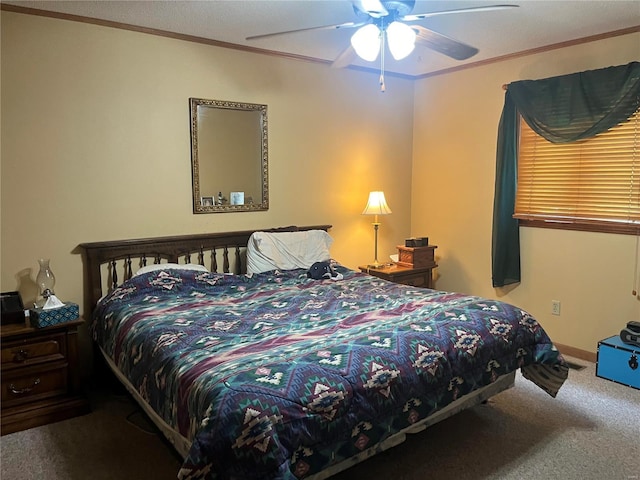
[(619, 362)]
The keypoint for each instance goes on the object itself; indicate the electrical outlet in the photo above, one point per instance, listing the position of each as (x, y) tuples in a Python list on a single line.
[(555, 307)]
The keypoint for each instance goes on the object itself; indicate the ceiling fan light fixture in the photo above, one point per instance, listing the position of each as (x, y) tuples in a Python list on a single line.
[(366, 42), (401, 38)]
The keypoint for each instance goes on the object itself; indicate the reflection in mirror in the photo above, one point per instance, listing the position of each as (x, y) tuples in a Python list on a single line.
[(228, 156)]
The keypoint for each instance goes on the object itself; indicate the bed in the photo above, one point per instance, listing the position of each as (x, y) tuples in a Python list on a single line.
[(276, 375)]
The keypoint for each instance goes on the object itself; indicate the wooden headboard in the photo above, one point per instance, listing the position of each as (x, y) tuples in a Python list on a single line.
[(209, 249)]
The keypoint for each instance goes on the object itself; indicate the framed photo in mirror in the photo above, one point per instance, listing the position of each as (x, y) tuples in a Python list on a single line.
[(237, 198)]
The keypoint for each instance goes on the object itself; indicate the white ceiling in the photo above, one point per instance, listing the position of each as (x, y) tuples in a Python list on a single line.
[(535, 24)]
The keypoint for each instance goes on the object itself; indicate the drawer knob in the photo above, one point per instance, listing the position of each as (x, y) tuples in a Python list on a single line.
[(633, 362), (20, 356), (22, 391)]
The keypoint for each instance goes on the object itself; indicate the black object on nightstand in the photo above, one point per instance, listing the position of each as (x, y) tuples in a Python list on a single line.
[(11, 308)]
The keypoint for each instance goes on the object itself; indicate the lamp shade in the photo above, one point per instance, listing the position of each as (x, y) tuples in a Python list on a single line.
[(366, 42), (402, 40), (377, 205)]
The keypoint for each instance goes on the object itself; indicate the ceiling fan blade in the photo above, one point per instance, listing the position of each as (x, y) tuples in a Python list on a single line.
[(346, 57), (443, 44), (420, 16), (325, 27)]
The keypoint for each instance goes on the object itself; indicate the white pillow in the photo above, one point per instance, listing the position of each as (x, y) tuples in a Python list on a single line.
[(287, 250), (175, 266)]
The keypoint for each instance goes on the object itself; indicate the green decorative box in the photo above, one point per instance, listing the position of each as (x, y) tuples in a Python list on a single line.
[(45, 318)]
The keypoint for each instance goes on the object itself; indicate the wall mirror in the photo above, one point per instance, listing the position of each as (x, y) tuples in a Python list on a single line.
[(229, 156)]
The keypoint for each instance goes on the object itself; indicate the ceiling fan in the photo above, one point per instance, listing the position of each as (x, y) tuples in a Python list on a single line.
[(381, 22)]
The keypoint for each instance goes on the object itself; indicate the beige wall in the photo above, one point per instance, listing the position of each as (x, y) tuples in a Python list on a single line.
[(95, 144), (455, 130)]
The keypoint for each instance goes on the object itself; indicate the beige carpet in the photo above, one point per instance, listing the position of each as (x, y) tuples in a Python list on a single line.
[(591, 431)]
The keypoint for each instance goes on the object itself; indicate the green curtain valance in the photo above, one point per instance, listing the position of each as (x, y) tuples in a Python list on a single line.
[(560, 109), (581, 105)]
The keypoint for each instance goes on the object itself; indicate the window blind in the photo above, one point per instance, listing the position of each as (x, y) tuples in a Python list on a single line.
[(591, 184)]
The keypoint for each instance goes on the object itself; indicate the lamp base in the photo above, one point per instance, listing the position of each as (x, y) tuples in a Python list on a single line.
[(375, 264)]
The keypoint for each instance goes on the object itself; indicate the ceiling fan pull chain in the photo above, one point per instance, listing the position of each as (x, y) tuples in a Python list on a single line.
[(383, 34)]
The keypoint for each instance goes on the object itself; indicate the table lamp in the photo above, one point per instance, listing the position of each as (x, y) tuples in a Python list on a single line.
[(377, 205)]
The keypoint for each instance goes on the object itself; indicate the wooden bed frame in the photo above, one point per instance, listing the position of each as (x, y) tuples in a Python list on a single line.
[(126, 256), (103, 261)]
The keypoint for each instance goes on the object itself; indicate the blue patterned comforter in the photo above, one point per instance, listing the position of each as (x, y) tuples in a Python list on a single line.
[(280, 376)]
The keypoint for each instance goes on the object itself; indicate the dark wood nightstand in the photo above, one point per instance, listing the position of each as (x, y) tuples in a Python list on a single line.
[(40, 376), (417, 277)]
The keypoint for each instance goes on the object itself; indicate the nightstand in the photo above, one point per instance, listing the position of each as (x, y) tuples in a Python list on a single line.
[(417, 277), (40, 376)]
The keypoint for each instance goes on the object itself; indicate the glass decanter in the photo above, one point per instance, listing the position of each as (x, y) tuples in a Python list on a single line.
[(45, 281)]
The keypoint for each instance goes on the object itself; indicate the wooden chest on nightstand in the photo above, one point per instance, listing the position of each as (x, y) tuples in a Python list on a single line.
[(619, 362), (40, 379), (416, 257)]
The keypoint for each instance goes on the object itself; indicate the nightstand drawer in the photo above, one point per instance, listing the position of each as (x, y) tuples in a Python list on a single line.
[(33, 384), (416, 277), (37, 350), (413, 280)]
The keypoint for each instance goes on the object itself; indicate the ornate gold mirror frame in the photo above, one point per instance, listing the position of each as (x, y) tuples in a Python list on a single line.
[(229, 156)]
